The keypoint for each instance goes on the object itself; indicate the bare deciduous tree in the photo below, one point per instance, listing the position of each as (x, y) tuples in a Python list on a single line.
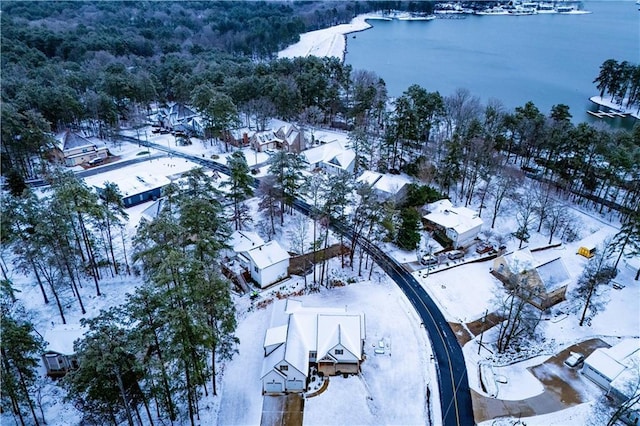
[(596, 275)]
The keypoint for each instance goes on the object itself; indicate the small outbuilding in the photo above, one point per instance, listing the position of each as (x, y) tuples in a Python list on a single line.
[(268, 263), (59, 358)]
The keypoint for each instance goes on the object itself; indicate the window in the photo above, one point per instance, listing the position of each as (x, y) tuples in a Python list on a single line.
[(255, 268), (338, 351), (313, 354), (284, 368)]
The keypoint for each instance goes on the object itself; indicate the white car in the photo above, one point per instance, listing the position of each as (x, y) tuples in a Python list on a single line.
[(574, 359), (455, 254)]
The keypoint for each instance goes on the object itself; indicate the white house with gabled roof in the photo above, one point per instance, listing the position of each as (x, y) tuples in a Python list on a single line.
[(460, 224), (268, 263), (331, 157), (299, 337)]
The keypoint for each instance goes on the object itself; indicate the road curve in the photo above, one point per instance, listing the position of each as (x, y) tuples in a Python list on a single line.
[(455, 396)]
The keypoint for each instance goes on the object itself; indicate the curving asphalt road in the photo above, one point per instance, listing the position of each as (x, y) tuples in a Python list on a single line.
[(455, 396)]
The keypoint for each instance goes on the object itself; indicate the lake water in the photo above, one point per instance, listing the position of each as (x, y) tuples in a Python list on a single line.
[(547, 58)]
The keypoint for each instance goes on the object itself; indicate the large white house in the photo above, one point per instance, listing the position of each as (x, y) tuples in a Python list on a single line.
[(299, 337), (460, 224), (268, 263), (331, 157)]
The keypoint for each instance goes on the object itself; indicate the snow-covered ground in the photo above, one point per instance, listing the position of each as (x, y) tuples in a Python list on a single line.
[(608, 102), (328, 42), (392, 389)]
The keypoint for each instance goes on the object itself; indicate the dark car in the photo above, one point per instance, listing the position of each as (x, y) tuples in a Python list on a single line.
[(483, 248)]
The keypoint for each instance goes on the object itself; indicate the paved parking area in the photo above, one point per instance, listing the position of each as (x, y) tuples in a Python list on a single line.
[(563, 387)]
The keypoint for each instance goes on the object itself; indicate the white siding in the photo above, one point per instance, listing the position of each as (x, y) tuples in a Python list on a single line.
[(270, 274)]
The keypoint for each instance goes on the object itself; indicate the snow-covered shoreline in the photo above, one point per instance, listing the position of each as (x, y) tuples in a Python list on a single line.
[(608, 102), (327, 42)]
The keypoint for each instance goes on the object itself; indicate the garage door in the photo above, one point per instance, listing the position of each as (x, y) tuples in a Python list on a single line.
[(274, 387), (295, 385)]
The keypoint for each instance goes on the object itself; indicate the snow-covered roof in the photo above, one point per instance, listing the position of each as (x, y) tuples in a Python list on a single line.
[(61, 339), (271, 360), (554, 274), (385, 183), (151, 212), (624, 349), (460, 219), (142, 182), (310, 329), (275, 335), (520, 261), (608, 367), (241, 241), (68, 140), (268, 254), (331, 153), (239, 133), (266, 137), (297, 347), (345, 330), (627, 381)]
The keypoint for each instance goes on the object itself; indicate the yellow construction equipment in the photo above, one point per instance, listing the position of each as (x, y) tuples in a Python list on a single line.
[(587, 252)]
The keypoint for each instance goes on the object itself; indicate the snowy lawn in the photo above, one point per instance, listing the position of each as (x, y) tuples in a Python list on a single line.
[(392, 387)]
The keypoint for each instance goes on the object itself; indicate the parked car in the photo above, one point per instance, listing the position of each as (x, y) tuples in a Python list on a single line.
[(429, 260), (455, 254), (574, 360), (483, 248), (96, 161)]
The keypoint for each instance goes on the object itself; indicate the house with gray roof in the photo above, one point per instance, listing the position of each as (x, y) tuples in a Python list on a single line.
[(548, 279), (74, 149)]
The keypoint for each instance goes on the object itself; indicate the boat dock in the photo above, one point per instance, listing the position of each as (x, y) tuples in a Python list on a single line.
[(610, 114)]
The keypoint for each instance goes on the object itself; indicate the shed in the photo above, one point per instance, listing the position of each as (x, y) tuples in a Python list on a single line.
[(59, 357)]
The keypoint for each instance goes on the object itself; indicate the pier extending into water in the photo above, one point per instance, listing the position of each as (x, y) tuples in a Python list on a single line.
[(610, 114)]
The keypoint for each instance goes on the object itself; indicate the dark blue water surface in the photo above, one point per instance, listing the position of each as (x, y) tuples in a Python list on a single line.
[(546, 58)]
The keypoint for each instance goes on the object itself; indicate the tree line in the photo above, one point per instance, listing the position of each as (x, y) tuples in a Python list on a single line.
[(620, 81), (156, 352)]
